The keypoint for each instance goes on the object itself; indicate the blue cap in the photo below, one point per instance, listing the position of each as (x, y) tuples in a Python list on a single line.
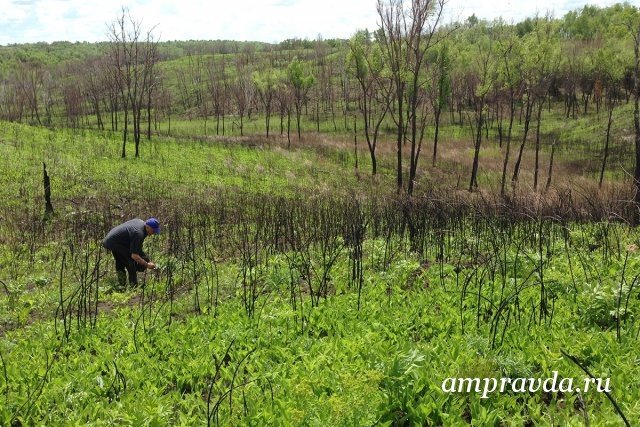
[(153, 223)]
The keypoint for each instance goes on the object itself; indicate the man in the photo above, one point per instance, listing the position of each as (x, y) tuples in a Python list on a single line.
[(125, 243)]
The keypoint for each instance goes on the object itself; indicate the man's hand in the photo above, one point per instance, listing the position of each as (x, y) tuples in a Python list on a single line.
[(143, 263)]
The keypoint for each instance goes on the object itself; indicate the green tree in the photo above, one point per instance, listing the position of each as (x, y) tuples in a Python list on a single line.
[(541, 55), (366, 63), (609, 69), (242, 90), (266, 83), (407, 34), (440, 90), (632, 25), (300, 80), (481, 72), (509, 65)]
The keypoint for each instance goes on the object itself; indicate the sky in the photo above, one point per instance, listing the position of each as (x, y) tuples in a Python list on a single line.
[(28, 21)]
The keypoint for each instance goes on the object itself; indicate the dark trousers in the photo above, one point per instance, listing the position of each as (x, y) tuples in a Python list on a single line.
[(122, 256)]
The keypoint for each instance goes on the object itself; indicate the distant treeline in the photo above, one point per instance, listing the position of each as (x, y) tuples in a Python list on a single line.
[(54, 53), (404, 79)]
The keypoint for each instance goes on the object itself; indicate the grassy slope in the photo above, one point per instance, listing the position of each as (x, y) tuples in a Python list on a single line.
[(346, 368)]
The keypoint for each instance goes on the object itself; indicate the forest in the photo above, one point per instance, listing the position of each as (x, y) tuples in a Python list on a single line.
[(347, 224), (492, 80)]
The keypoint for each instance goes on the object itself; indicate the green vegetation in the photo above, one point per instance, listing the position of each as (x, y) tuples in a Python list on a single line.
[(560, 78), (295, 286), (283, 300)]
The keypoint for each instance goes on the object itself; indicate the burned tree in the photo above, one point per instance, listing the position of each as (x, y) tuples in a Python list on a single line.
[(407, 32), (300, 81), (633, 26), (132, 64), (266, 84), (368, 66), (48, 207), (480, 85)]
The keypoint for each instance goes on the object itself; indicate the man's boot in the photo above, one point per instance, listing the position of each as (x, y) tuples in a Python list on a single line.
[(133, 275), (133, 280), (122, 278)]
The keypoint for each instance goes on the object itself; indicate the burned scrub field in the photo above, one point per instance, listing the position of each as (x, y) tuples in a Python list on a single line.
[(314, 305)]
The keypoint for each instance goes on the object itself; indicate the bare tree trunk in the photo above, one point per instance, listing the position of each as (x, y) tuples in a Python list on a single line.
[(635, 32), (536, 168), (132, 65), (500, 127), (435, 137), (527, 119), (512, 112), (400, 138), (605, 155), (99, 116), (136, 128), (298, 116), (636, 117), (149, 114), (48, 208), (476, 153), (317, 114), (553, 150), (355, 140), (124, 132), (289, 129)]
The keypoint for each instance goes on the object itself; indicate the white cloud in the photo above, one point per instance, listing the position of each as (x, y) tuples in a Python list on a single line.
[(516, 10), (263, 20), (260, 20), (13, 12)]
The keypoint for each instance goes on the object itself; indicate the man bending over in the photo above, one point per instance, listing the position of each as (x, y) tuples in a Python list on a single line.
[(125, 243)]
